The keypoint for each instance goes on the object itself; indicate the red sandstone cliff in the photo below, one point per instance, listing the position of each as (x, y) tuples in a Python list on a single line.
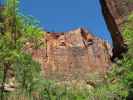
[(77, 53), (73, 55)]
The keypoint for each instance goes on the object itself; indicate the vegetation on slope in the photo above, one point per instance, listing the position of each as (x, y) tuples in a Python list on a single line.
[(17, 69)]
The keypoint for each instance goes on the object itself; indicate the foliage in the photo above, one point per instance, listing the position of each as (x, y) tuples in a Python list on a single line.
[(127, 62), (119, 79), (32, 31), (130, 1), (12, 58), (121, 74), (30, 83)]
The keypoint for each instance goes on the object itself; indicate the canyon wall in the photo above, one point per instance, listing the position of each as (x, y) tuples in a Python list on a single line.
[(116, 13), (77, 54), (73, 55)]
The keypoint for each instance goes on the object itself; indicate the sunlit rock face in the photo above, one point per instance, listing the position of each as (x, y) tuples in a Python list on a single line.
[(115, 13), (77, 54), (73, 55)]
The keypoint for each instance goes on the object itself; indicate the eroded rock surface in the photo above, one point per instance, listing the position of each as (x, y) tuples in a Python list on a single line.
[(119, 9), (77, 54), (73, 55), (116, 13)]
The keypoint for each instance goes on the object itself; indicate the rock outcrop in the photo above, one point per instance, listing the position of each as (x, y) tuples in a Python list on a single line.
[(115, 13), (77, 54), (73, 55)]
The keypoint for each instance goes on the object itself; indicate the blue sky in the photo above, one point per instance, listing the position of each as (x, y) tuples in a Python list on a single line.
[(64, 15)]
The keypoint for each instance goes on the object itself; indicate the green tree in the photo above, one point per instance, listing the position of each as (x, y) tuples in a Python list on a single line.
[(14, 62)]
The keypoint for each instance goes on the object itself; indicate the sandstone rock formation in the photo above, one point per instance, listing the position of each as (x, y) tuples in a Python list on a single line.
[(78, 53), (115, 13), (73, 55)]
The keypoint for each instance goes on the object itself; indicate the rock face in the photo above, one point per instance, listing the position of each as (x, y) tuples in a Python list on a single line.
[(76, 54), (73, 55), (115, 13)]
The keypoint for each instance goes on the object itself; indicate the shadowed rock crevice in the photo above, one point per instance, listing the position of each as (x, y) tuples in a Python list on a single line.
[(115, 13)]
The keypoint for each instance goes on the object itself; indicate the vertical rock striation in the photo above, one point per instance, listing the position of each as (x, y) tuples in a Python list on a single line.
[(115, 13)]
